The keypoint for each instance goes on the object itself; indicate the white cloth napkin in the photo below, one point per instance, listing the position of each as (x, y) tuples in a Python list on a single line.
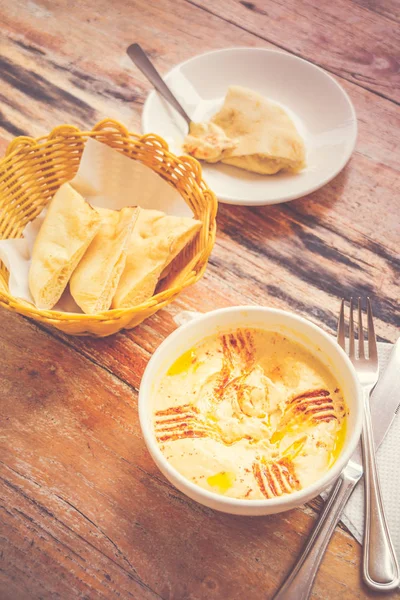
[(388, 457)]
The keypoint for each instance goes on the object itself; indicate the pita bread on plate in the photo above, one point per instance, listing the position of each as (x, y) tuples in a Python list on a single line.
[(249, 132), (67, 230), (267, 139), (95, 279), (156, 240)]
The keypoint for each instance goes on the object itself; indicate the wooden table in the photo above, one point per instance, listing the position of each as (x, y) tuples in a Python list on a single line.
[(84, 511)]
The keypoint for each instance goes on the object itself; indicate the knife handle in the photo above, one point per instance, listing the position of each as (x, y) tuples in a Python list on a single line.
[(380, 567), (299, 583)]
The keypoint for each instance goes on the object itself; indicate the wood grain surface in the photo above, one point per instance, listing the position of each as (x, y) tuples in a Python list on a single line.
[(84, 511)]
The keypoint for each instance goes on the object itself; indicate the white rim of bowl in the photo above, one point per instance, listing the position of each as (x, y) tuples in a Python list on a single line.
[(295, 195), (288, 499)]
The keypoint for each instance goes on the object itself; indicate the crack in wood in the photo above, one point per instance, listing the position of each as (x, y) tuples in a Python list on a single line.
[(375, 8), (47, 532), (134, 576), (54, 334), (29, 47), (319, 278), (38, 88), (10, 127), (117, 549)]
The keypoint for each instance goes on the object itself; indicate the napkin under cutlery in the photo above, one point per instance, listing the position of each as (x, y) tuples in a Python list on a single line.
[(388, 458)]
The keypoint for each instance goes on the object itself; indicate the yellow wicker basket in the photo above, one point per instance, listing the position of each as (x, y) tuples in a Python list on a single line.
[(32, 171)]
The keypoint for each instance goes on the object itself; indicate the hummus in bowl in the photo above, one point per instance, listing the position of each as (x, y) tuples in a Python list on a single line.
[(258, 412), (249, 414)]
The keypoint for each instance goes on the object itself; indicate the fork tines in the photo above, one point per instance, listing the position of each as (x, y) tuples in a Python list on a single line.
[(341, 334)]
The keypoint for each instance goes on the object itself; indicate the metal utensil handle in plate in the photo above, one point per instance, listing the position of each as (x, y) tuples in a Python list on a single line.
[(138, 56), (380, 567), (299, 583)]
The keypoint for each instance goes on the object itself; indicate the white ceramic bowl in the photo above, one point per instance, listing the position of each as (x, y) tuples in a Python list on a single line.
[(319, 106), (297, 328)]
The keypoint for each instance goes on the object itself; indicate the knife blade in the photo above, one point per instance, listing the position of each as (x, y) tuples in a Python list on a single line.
[(385, 401), (386, 396)]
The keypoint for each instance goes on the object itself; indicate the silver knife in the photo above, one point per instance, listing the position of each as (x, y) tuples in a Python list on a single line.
[(385, 402)]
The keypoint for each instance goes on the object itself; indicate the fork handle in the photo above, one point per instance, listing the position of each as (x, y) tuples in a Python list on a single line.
[(299, 583), (380, 566)]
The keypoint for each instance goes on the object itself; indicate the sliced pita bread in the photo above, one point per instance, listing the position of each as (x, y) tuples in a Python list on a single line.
[(266, 137), (156, 240), (67, 230), (95, 279)]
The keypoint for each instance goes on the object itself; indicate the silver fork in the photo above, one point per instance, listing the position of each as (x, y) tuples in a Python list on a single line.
[(380, 568), (299, 583)]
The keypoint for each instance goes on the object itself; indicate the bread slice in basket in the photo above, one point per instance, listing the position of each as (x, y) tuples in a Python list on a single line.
[(67, 230), (156, 240), (95, 279)]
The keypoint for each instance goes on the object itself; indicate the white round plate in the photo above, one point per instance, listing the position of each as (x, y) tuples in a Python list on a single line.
[(320, 108)]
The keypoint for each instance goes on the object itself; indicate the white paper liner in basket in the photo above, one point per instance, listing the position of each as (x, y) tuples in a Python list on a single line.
[(107, 179)]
